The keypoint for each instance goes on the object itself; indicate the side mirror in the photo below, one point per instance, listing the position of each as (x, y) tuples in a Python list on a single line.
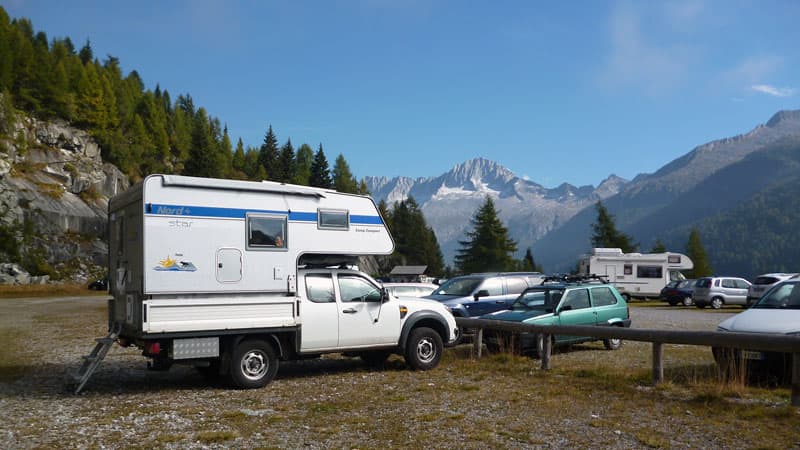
[(481, 293), (384, 295)]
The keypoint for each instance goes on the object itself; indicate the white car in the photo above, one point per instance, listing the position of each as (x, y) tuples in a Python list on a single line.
[(762, 283), (778, 311)]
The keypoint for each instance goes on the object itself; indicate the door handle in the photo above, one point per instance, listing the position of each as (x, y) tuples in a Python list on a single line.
[(500, 302), (349, 311)]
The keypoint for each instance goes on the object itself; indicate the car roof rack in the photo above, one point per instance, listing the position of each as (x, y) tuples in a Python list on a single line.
[(575, 279)]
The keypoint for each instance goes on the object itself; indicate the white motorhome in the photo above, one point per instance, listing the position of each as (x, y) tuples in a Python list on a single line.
[(233, 276), (636, 274)]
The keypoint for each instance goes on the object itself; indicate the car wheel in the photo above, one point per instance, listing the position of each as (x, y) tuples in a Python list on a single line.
[(423, 349), (253, 365), (687, 301), (716, 303), (540, 345), (375, 358), (700, 305), (459, 336), (612, 344)]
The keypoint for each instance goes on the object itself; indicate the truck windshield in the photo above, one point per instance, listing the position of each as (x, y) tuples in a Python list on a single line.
[(459, 286)]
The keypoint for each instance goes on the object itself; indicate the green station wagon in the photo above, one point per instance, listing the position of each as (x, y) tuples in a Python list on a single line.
[(560, 301)]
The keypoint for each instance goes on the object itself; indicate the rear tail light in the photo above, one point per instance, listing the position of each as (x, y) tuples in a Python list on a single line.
[(152, 348)]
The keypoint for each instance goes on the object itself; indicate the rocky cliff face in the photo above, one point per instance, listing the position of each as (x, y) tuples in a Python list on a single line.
[(54, 191)]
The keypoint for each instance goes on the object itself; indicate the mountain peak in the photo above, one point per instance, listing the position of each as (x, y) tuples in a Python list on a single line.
[(478, 172), (784, 116)]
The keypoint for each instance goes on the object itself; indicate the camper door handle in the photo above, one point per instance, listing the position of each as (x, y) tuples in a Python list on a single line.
[(349, 311)]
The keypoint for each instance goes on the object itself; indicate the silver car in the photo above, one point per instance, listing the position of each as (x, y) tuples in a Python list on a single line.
[(719, 291), (762, 283)]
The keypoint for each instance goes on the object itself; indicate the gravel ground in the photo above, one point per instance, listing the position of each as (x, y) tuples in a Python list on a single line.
[(592, 398)]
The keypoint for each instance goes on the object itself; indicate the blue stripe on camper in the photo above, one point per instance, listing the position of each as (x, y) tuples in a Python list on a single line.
[(236, 213)]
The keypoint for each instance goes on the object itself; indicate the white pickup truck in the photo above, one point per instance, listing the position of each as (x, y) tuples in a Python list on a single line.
[(234, 276)]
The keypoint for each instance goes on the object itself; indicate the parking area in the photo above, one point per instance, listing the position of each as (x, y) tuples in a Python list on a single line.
[(593, 397)]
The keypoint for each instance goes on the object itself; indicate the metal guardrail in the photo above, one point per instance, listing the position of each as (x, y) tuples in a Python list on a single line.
[(745, 341)]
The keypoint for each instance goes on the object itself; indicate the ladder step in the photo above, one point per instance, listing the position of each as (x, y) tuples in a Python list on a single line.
[(105, 340), (90, 358)]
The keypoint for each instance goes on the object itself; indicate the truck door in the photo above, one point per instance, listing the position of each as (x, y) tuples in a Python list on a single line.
[(319, 313), (363, 319)]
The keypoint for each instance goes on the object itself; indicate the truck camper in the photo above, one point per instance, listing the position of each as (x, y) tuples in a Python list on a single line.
[(636, 274), (234, 276)]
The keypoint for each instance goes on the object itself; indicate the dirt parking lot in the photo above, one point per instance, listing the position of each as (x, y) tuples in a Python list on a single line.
[(592, 398)]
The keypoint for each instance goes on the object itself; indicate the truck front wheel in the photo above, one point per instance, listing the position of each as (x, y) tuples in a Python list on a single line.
[(253, 364), (423, 349)]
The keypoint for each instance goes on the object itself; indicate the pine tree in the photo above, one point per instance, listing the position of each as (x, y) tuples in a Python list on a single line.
[(238, 161), (285, 163), (343, 180), (251, 165), (415, 242), (528, 263), (658, 247), (488, 246), (302, 165), (606, 234), (86, 53), (268, 155), (696, 252), (320, 171)]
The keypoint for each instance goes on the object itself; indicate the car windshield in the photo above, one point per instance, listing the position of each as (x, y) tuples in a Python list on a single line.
[(543, 299), (685, 283), (459, 286), (782, 296)]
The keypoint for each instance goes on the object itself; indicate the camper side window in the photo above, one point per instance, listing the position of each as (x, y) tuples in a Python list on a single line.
[(266, 232), (649, 272), (628, 269), (333, 219)]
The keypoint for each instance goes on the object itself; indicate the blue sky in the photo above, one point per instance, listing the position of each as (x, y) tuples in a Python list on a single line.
[(555, 91)]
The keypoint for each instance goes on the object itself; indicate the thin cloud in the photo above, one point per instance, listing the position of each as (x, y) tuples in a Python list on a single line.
[(752, 69), (774, 91), (638, 60)]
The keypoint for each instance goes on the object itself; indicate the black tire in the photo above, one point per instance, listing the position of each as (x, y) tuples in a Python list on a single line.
[(700, 305), (687, 301), (612, 344), (459, 337), (423, 349), (540, 345), (375, 358), (717, 302), (254, 364)]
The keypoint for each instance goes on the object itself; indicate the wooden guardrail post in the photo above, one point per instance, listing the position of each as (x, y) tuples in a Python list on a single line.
[(796, 379), (658, 366), (547, 350), (477, 343)]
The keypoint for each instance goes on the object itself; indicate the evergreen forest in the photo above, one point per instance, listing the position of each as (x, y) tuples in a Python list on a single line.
[(139, 130)]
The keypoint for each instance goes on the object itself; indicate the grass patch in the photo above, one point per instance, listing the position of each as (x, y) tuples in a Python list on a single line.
[(11, 367), (214, 437), (47, 290)]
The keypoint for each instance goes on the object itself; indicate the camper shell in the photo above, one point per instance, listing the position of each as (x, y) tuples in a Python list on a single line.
[(231, 276), (636, 274)]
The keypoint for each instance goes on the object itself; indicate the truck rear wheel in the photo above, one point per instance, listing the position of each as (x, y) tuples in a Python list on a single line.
[(423, 349), (253, 364)]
